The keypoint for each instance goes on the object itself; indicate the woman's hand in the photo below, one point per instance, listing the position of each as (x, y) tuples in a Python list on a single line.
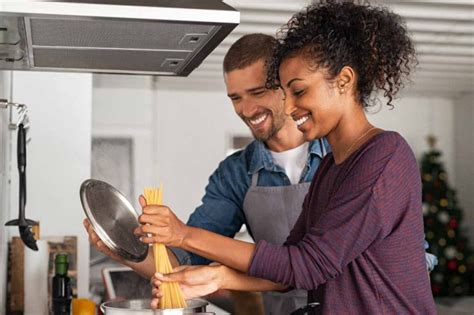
[(160, 225), (95, 240), (195, 281)]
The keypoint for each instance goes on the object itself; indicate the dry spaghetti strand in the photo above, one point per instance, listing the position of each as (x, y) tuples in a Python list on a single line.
[(172, 294)]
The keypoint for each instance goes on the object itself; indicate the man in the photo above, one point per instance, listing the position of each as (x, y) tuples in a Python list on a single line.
[(262, 186)]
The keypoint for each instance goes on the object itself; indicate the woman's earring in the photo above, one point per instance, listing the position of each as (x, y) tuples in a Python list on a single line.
[(342, 91)]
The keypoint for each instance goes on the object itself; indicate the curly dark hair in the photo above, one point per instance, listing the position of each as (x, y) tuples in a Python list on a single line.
[(332, 34)]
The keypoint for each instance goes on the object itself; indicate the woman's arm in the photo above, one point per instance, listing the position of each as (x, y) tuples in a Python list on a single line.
[(166, 228), (228, 251), (197, 281)]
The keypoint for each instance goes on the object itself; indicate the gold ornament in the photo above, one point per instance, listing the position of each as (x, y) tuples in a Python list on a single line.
[(442, 242), (451, 233), (434, 209), (462, 269), (427, 177), (429, 235), (443, 202)]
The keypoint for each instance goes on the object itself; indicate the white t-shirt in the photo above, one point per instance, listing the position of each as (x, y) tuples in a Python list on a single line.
[(292, 161)]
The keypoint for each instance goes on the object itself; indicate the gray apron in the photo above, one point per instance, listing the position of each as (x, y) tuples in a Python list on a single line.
[(271, 213)]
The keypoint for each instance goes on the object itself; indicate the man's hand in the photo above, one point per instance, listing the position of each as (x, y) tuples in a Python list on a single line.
[(95, 240), (195, 281), (160, 225)]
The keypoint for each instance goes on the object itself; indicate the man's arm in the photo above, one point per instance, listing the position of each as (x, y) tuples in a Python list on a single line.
[(221, 209), (145, 268)]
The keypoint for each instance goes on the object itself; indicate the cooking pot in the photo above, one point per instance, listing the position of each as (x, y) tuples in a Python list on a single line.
[(142, 307)]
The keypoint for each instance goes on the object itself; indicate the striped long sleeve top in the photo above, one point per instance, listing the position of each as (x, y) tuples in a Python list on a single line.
[(357, 246)]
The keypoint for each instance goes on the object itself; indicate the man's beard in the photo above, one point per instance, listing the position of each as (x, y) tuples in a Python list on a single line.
[(277, 123), (265, 136)]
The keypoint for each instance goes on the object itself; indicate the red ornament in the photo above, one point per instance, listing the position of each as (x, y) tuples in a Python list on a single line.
[(453, 223), (436, 288), (452, 265), (429, 222), (428, 198)]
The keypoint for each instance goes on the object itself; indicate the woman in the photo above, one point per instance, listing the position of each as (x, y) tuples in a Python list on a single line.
[(358, 245)]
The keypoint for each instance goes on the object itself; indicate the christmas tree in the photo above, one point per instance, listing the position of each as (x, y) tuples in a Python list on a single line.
[(453, 276)]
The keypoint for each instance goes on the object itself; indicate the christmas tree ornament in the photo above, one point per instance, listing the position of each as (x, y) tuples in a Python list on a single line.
[(453, 223), (428, 198), (452, 264), (443, 217), (433, 209), (442, 242), (451, 233), (462, 269), (438, 277), (426, 208), (443, 202), (450, 252)]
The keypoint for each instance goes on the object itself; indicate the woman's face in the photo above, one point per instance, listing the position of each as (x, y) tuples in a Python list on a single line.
[(314, 102)]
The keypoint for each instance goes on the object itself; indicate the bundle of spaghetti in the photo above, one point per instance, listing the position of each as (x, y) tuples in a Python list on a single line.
[(172, 294)]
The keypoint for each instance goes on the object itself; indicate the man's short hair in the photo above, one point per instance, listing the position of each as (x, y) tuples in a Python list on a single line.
[(249, 49)]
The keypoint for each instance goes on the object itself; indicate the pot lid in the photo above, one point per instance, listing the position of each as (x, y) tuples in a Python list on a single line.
[(113, 218)]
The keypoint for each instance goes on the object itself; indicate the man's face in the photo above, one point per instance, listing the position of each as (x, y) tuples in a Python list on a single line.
[(261, 109)]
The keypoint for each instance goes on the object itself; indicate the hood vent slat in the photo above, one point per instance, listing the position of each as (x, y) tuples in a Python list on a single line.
[(64, 42)]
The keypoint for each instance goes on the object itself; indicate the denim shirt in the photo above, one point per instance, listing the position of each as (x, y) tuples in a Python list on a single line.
[(221, 210)]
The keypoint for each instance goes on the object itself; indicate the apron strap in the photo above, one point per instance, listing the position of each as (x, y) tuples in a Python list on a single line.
[(254, 179)]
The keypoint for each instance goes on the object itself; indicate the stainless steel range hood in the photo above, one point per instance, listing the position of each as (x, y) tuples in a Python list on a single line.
[(157, 37)]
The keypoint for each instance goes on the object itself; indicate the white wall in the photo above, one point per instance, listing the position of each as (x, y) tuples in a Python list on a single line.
[(58, 155), (123, 107), (194, 129), (464, 158), (180, 133), (415, 117), (4, 186), (191, 123)]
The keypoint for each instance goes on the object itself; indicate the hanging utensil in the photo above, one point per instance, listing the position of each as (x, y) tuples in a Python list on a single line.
[(23, 224)]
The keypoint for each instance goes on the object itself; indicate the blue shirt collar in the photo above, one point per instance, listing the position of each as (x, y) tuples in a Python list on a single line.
[(262, 158)]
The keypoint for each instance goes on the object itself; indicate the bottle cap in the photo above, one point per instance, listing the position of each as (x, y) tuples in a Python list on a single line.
[(62, 263)]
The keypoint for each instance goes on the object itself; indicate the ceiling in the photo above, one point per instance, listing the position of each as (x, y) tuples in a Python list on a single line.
[(443, 32)]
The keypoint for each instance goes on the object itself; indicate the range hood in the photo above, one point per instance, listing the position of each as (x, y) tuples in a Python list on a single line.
[(156, 37)]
